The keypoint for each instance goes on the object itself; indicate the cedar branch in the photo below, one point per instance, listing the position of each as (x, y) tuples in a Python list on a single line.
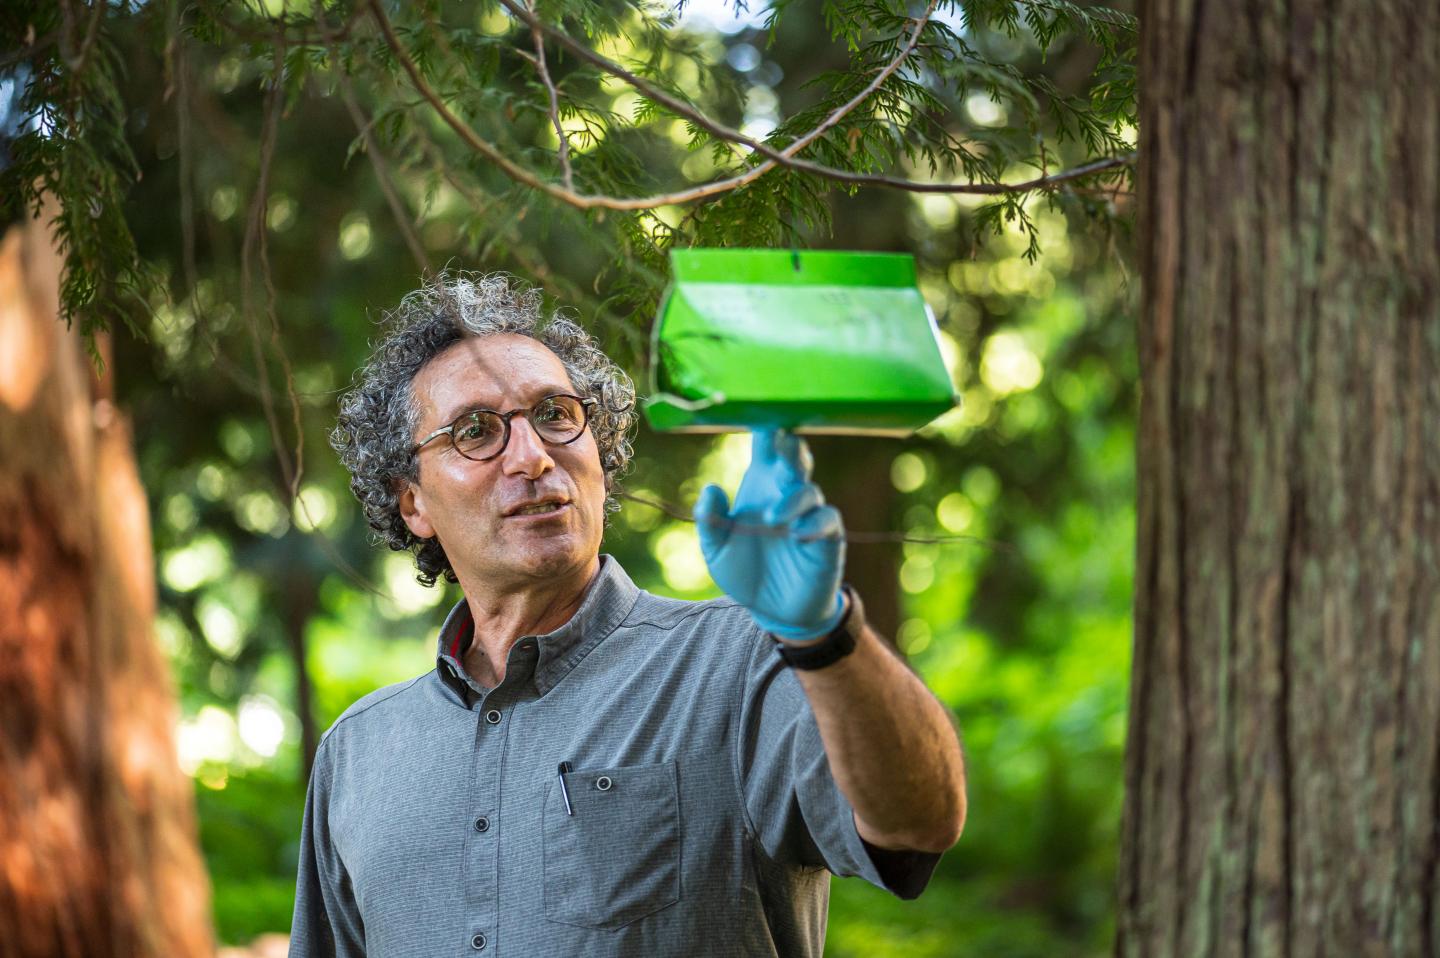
[(775, 158)]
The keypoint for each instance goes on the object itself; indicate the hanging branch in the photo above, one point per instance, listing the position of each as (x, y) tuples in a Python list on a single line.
[(363, 128), (997, 189), (785, 157), (674, 104), (75, 59), (179, 88), (252, 244)]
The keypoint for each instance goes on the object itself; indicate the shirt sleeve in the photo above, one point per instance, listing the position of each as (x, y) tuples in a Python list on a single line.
[(327, 921), (797, 813)]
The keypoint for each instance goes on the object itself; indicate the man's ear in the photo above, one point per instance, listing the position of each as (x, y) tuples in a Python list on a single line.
[(412, 509)]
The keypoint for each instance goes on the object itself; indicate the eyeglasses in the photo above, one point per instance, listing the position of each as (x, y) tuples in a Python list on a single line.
[(484, 433)]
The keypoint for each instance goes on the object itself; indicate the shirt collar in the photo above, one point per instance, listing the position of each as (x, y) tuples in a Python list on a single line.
[(608, 600)]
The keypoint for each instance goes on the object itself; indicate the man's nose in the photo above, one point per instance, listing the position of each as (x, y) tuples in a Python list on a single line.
[(525, 453)]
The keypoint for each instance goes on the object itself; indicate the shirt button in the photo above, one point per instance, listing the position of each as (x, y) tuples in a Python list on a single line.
[(493, 716), (478, 942), (482, 824), (603, 783)]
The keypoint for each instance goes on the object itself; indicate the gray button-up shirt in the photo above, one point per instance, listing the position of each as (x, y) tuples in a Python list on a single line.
[(699, 817)]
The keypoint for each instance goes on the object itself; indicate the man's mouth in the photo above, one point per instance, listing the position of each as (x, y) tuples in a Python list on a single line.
[(538, 508)]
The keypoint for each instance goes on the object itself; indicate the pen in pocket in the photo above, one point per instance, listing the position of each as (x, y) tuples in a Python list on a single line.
[(564, 791)]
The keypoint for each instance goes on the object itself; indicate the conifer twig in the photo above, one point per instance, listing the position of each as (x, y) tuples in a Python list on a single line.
[(710, 125), (775, 158), (567, 176)]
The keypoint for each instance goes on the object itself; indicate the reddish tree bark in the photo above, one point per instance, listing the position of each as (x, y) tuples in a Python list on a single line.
[(1283, 764), (98, 849)]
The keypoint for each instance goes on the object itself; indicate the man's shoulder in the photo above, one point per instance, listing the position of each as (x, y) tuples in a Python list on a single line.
[(712, 631), (377, 706), (668, 614)]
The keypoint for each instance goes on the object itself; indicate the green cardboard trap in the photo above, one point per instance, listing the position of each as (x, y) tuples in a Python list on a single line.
[(812, 341)]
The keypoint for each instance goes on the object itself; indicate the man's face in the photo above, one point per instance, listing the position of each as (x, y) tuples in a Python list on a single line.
[(471, 506)]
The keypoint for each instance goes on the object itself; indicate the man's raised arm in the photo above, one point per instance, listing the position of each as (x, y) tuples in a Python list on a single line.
[(780, 552)]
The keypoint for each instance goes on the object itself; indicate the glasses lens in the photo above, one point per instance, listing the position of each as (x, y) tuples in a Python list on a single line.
[(478, 435), (558, 418)]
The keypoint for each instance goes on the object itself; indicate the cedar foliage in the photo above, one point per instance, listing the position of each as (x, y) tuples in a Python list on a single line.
[(461, 98)]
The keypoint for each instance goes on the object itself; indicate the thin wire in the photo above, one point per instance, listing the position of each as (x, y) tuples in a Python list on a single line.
[(866, 538)]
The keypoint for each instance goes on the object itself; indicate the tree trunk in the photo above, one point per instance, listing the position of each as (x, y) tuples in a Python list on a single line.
[(98, 851), (855, 476), (1283, 769)]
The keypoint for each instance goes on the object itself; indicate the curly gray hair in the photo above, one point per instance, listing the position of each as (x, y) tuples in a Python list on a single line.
[(379, 417)]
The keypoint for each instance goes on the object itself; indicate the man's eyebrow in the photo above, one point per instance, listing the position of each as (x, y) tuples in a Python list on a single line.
[(465, 408)]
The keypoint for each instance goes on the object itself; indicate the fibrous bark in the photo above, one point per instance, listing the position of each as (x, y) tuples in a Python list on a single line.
[(98, 850), (1283, 765)]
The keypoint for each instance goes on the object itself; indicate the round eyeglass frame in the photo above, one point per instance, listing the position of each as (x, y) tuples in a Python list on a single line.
[(505, 418)]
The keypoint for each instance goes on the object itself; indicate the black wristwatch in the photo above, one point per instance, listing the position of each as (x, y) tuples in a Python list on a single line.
[(839, 643)]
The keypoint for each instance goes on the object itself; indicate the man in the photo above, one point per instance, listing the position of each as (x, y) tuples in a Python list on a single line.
[(590, 769)]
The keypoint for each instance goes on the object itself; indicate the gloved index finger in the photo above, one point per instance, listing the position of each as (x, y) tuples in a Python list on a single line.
[(779, 460), (762, 443), (791, 450)]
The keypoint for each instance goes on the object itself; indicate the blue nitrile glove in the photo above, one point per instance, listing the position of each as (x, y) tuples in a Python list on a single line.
[(786, 567)]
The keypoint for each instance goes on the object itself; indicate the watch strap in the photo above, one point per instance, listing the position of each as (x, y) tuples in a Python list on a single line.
[(837, 644)]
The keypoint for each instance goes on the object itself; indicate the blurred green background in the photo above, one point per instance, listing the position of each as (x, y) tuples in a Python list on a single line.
[(270, 612)]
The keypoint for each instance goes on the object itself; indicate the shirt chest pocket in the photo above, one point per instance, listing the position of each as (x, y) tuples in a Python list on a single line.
[(612, 856)]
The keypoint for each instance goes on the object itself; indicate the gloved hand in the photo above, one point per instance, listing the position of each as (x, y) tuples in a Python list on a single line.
[(786, 565)]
